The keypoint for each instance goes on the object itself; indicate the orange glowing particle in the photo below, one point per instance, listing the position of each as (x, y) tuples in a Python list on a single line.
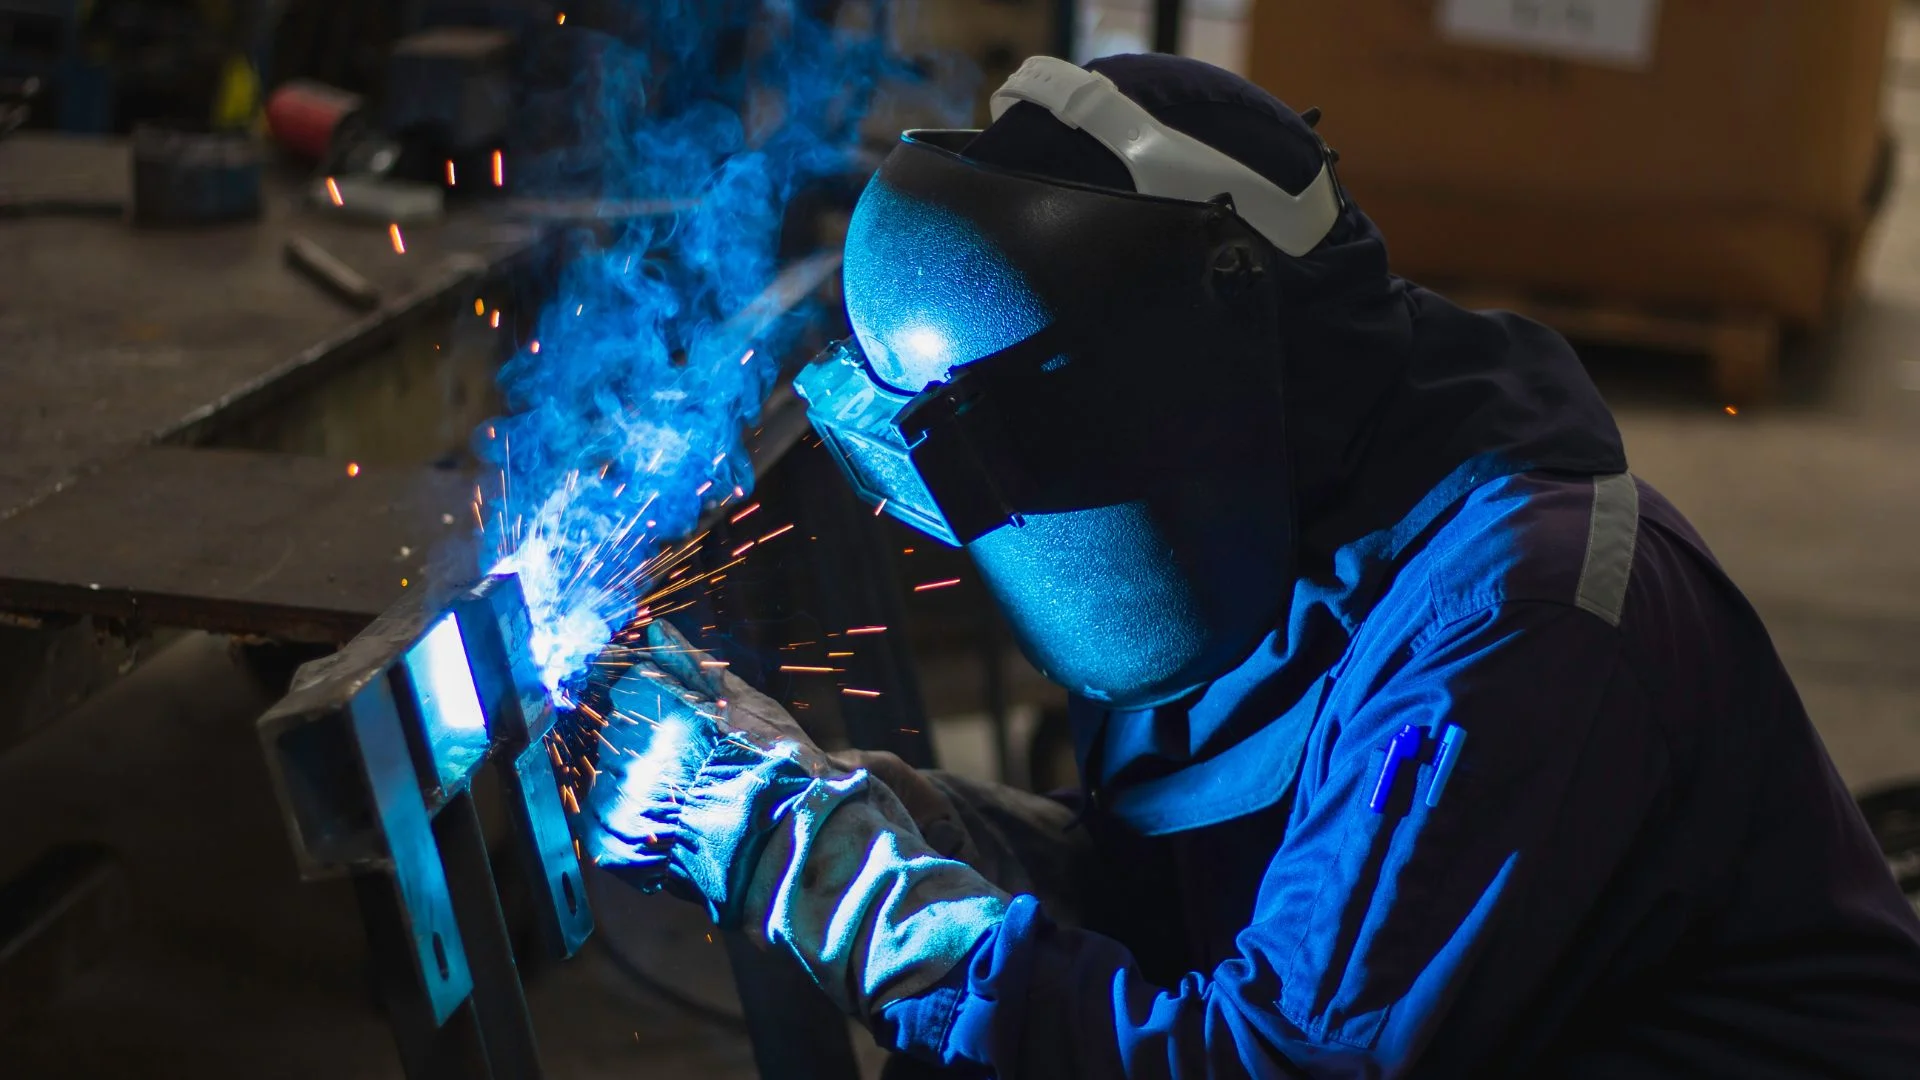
[(333, 192), (496, 319), (399, 243), (1731, 411), (450, 174), (562, 21), (403, 583), (499, 169), (866, 630), (535, 347), (353, 468), (807, 669), (851, 692), (936, 584)]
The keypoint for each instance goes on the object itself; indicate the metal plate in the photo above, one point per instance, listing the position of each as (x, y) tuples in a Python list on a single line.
[(418, 875), (237, 542)]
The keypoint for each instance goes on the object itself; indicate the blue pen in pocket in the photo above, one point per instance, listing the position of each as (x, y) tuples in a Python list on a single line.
[(1452, 740), (1404, 747)]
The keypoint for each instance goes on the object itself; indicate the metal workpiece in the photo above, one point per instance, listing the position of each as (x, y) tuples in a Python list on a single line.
[(373, 756)]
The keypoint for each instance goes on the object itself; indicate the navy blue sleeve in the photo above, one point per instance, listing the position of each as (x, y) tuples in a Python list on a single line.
[(1368, 923)]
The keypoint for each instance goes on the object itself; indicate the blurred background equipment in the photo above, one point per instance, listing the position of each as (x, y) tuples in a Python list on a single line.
[(1687, 173), (194, 178)]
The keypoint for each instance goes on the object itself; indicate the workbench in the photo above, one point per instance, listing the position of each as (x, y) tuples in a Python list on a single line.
[(178, 409)]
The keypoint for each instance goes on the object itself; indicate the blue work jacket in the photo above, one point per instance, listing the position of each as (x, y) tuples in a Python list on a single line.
[(1640, 863)]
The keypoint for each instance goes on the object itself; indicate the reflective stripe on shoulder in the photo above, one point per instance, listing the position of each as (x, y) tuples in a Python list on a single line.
[(1611, 534)]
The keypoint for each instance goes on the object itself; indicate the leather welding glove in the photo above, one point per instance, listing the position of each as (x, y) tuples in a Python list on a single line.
[(822, 862)]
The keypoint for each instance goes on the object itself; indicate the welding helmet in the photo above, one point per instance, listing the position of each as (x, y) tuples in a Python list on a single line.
[(1081, 385)]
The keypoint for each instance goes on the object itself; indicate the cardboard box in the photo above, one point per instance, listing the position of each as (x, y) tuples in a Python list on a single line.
[(1721, 158), (1784, 264), (1742, 104)]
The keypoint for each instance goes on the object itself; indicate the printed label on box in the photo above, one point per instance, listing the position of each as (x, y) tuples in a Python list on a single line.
[(1616, 32)]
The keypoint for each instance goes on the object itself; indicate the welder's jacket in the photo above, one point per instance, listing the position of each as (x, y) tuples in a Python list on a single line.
[(1643, 864)]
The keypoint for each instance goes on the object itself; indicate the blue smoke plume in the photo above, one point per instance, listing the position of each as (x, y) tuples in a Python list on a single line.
[(627, 415)]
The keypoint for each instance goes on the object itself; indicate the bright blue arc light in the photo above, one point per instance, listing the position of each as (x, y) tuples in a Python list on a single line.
[(456, 725)]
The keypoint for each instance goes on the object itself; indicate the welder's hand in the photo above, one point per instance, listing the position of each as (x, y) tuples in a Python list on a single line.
[(732, 802), (697, 759)]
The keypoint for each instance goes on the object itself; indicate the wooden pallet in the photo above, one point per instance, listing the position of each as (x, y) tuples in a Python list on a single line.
[(1742, 346)]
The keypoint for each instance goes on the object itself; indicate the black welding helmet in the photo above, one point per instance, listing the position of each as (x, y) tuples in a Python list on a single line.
[(1081, 385)]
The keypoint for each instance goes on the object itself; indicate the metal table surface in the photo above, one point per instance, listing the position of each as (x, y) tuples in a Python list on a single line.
[(112, 337)]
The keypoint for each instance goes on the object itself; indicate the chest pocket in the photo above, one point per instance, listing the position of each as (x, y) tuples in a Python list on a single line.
[(1381, 914)]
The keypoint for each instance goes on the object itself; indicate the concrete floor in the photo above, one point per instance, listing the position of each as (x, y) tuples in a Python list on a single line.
[(232, 968)]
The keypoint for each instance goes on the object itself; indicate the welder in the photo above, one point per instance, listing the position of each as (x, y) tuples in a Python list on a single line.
[(1417, 736)]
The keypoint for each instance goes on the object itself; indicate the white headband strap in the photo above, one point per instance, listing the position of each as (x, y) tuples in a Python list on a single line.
[(1170, 164)]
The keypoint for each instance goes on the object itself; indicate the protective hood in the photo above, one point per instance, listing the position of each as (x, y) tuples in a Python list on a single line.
[(1080, 384)]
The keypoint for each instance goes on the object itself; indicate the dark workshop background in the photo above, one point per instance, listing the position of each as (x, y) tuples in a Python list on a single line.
[(236, 409)]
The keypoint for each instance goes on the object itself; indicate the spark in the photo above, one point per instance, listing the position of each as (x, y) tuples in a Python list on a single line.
[(561, 20), (353, 468), (837, 655), (735, 519), (403, 583), (450, 176), (936, 584), (480, 308), (577, 310), (906, 551), (744, 359), (866, 630), (703, 488), (879, 509), (496, 319), (808, 669), (499, 169), (714, 663), (851, 692), (743, 547), (333, 192), (399, 243), (534, 347), (1731, 411)]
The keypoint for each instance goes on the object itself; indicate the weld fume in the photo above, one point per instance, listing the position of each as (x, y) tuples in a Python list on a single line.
[(628, 420)]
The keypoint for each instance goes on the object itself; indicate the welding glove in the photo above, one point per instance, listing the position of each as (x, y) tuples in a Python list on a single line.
[(733, 803)]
